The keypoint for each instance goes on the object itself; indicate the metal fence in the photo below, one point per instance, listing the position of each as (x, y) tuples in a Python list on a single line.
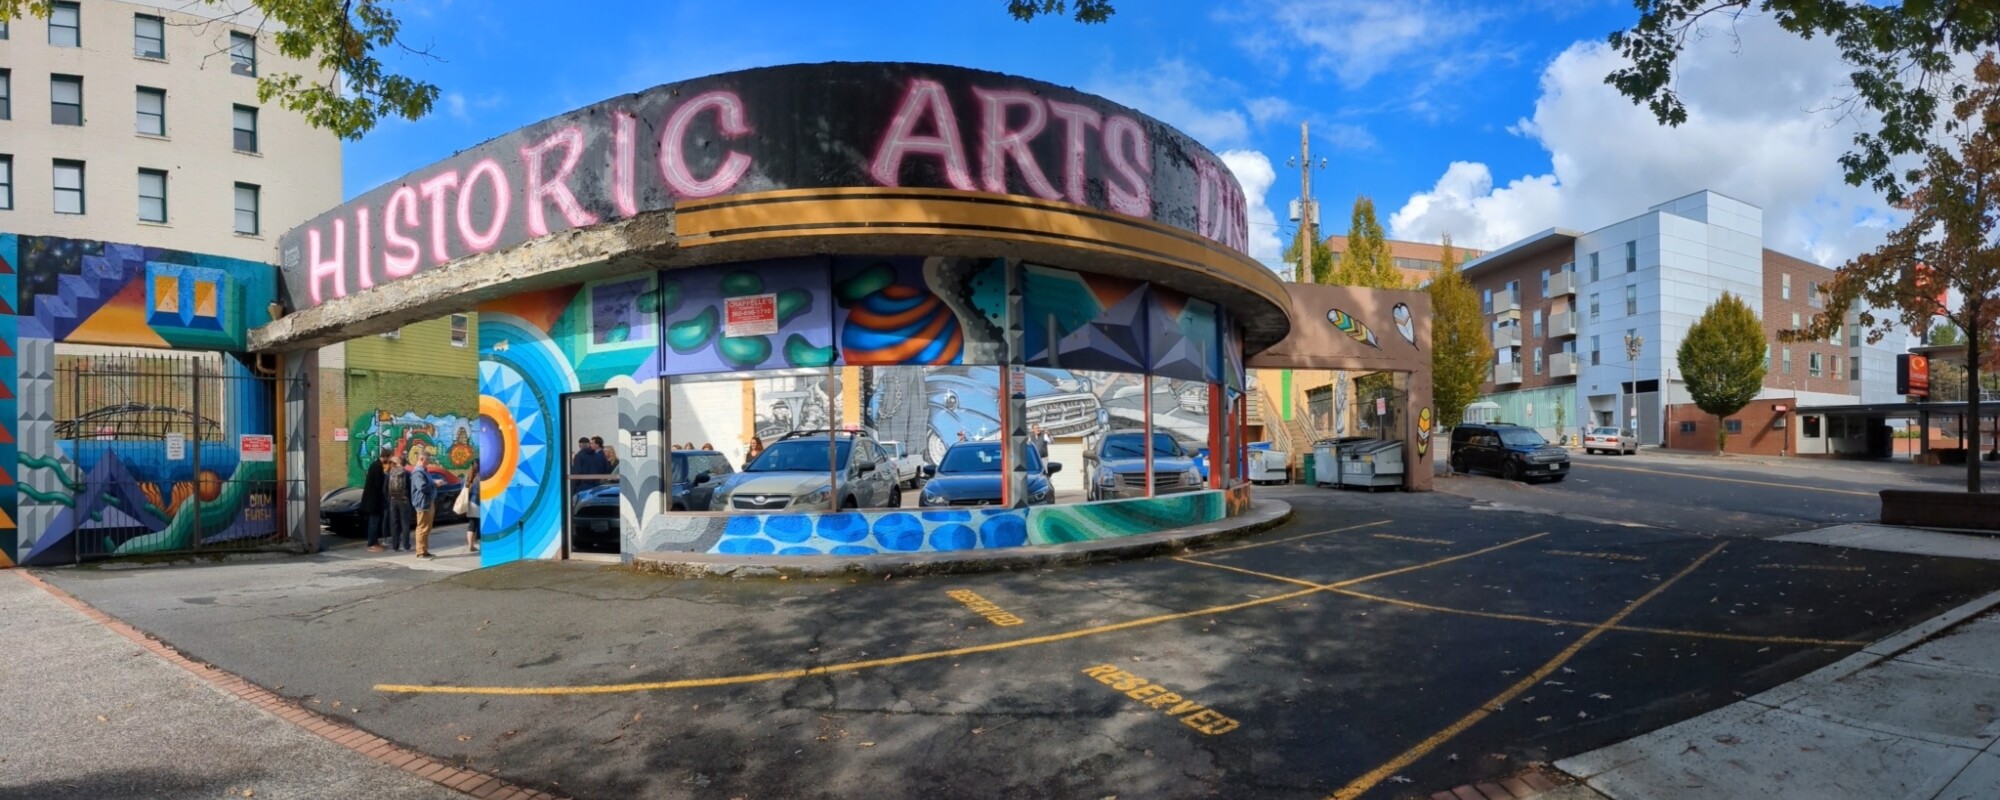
[(170, 453)]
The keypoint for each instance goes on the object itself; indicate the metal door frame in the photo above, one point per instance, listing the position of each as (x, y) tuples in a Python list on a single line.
[(567, 551)]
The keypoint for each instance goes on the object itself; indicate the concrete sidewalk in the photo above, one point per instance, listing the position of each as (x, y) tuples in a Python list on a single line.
[(1910, 717), (91, 714)]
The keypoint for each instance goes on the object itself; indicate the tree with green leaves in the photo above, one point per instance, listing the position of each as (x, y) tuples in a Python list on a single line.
[(352, 90), (1367, 261), (1460, 348), (1088, 12), (1945, 333), (1722, 360), (1322, 263), (1905, 58), (1947, 247)]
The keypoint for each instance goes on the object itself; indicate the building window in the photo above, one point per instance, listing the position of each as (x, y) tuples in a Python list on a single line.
[(3, 30), (1593, 308), (1595, 359), (1854, 336), (152, 111), (1486, 301), (243, 54), (244, 121), (1545, 283), (153, 195), (1631, 256), (461, 330), (1687, 427), (66, 99), (1835, 365), (1809, 426), (1854, 368), (65, 25), (1813, 296), (1733, 425), (1787, 353), (1795, 320), (1538, 323), (6, 182), (1784, 286), (1538, 361), (246, 209), (69, 187), (1836, 427), (1514, 293), (1593, 266), (1812, 365), (6, 94), (149, 36), (1632, 300)]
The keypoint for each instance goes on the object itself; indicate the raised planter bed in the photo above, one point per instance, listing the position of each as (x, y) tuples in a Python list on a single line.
[(1941, 509)]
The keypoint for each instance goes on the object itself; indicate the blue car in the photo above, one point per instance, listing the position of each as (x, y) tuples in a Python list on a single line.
[(969, 475)]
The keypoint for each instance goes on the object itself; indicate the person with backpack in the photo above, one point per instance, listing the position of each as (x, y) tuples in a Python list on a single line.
[(397, 513), (374, 491), (423, 499)]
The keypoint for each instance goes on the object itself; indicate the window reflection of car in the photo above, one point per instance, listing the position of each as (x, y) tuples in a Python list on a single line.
[(794, 474), (968, 402), (1118, 469), (969, 475), (596, 518)]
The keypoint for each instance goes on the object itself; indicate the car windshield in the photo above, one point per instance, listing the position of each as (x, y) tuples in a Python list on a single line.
[(967, 459), (799, 455), (1130, 445), (1521, 437), (1604, 431)]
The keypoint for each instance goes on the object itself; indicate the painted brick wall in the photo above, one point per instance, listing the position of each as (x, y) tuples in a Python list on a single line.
[(421, 347)]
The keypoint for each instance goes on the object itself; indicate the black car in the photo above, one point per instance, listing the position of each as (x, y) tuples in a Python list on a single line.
[(340, 509), (1517, 453), (596, 520), (969, 475)]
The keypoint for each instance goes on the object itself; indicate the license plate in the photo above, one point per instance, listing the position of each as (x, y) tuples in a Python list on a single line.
[(1559, 467)]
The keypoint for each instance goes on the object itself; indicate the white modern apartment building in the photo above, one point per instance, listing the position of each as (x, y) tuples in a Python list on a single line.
[(1562, 305), (138, 123)]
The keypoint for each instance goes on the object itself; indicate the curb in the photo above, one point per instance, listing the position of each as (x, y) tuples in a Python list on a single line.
[(1262, 516), (377, 749)]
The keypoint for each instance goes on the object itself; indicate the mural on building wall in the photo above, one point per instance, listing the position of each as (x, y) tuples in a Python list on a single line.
[(1181, 336), (535, 348), (448, 438), (1113, 519), (1079, 321), (910, 310), (121, 494), (748, 316)]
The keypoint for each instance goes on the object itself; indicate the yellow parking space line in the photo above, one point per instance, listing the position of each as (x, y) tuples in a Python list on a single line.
[(1234, 548), (1727, 637), (1358, 786), (1366, 578), (1418, 539), (1736, 480), (853, 666)]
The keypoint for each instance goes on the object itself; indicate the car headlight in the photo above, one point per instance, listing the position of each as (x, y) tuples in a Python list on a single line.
[(1106, 477), (817, 496), (931, 495), (1193, 476), (1038, 496)]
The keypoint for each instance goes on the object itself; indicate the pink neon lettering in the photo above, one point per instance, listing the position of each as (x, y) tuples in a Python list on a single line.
[(924, 97), (322, 268), (434, 191), (624, 161), (1135, 197), (399, 252), (1002, 145), (1077, 121), (673, 153), (555, 187), (496, 182), (367, 251)]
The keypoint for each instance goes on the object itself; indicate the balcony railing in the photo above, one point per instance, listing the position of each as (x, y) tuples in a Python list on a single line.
[(1562, 365), (1505, 304), (1564, 282), (1506, 374), (1562, 324), (1507, 336)]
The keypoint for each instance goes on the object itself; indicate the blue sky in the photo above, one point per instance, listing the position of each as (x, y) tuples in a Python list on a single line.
[(1487, 120)]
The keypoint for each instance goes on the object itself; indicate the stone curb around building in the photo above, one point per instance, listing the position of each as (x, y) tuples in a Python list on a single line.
[(382, 751), (1263, 515)]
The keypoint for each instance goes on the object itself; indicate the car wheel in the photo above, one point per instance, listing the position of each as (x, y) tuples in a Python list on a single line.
[(1457, 464), (1511, 471), (896, 497), (848, 504)]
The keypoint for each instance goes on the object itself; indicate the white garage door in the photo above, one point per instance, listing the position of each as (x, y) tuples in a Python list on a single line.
[(1068, 453)]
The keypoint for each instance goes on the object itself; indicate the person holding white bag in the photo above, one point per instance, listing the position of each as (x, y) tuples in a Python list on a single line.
[(468, 507)]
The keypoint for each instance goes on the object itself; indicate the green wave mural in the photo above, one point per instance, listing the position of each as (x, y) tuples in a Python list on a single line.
[(214, 516), (1089, 522)]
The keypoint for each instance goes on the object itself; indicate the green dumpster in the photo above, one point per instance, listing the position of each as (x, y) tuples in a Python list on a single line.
[(1306, 472)]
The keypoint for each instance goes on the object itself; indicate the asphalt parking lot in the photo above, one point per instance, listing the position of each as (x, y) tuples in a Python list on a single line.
[(1375, 646)]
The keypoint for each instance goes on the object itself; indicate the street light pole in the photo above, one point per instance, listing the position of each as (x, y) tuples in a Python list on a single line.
[(1633, 345)]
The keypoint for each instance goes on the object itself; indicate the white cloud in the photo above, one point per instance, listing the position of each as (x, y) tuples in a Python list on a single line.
[(1359, 39), (1752, 133), (1265, 110), (1255, 174), (1168, 91)]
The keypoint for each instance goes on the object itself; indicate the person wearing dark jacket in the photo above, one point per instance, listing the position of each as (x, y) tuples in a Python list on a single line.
[(374, 493)]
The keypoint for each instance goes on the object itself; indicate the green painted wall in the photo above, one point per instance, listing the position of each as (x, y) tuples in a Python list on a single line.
[(424, 347)]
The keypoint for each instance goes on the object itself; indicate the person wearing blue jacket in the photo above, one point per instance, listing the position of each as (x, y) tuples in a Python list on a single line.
[(423, 498)]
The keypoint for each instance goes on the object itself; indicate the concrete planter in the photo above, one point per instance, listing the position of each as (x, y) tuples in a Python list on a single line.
[(1941, 509)]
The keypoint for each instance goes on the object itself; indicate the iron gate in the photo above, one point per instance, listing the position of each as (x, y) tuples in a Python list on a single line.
[(170, 453)]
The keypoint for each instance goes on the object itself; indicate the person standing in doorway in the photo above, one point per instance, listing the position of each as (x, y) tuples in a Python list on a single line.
[(587, 461), (374, 496), (397, 515), (423, 499), (472, 509), (607, 453)]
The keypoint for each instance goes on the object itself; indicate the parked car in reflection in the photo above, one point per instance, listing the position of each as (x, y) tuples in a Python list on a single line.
[(340, 509), (969, 475), (1611, 440), (1515, 452), (795, 474), (967, 401), (1118, 466)]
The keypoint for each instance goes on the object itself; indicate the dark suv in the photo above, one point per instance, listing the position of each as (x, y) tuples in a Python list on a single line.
[(1515, 452)]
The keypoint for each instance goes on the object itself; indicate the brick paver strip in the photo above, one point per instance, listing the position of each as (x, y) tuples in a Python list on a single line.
[(1493, 791), (360, 741), (1519, 787), (1467, 793), (1537, 782)]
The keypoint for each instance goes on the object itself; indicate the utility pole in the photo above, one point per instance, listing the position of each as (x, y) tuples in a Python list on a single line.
[(1633, 346), (1308, 208)]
